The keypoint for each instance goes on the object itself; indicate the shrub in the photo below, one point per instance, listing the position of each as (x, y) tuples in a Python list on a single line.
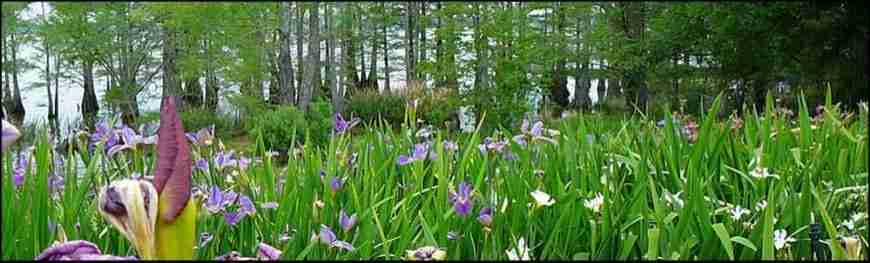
[(278, 126), (319, 122), (197, 119), (371, 106), (438, 107)]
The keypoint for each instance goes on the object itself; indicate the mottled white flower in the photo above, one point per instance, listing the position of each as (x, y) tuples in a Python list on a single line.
[(520, 252), (542, 199), (849, 224), (761, 172), (781, 239), (760, 206), (674, 199), (738, 212), (595, 203)]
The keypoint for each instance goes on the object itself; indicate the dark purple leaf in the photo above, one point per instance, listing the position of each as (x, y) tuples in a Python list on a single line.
[(172, 175)]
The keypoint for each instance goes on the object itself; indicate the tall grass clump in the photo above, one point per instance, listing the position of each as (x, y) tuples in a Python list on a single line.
[(585, 188)]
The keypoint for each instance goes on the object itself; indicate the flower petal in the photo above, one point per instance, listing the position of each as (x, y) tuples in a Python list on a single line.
[(265, 251)]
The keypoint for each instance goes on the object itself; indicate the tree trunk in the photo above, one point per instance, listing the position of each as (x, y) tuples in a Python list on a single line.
[(192, 92), (331, 47), (421, 41), (317, 64), (759, 92), (57, 61), (582, 81), (211, 81), (285, 92), (312, 67), (52, 119), (328, 66), (386, 51), (171, 85), (340, 75), (410, 53), (559, 89), (602, 89), (300, 38), (637, 79), (372, 78), (7, 92), (351, 79), (90, 107)]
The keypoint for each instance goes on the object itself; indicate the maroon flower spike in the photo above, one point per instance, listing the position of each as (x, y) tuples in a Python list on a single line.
[(172, 175)]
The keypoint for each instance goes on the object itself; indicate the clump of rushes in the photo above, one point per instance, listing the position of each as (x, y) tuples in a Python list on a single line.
[(738, 190)]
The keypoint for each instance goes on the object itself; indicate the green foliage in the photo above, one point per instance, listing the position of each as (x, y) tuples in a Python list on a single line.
[(372, 107), (279, 126), (248, 105), (197, 119), (438, 107), (319, 122)]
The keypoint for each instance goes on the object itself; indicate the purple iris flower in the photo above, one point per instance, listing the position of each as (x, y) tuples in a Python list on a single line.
[(347, 222), (520, 139), (328, 237), (450, 146), (229, 197), (265, 251), (223, 159), (421, 151), (492, 145), (336, 183), (214, 203), (269, 205), (404, 160), (537, 129), (246, 206), (341, 244), (485, 216), (8, 135), (101, 131), (105, 134), (233, 218), (55, 178), (342, 126), (76, 250), (202, 165), (461, 199), (20, 168), (510, 156), (203, 137), (243, 162), (497, 146), (231, 256)]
